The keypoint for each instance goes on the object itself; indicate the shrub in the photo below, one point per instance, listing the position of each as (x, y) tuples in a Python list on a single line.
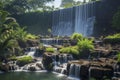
[(76, 36), (114, 36), (50, 49), (112, 39), (69, 50), (24, 60), (85, 45)]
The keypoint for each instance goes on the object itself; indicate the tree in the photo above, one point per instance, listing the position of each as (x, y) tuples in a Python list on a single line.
[(10, 32), (70, 3), (21, 6)]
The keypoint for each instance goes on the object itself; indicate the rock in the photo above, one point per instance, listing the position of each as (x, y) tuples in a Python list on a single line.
[(47, 62), (32, 68), (4, 67), (100, 73), (84, 72), (40, 66), (68, 68)]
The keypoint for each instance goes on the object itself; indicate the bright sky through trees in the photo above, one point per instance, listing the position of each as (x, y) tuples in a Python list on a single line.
[(57, 3)]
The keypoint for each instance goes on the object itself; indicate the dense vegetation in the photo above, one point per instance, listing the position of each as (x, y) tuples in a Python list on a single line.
[(76, 36), (84, 46), (11, 33), (70, 50)]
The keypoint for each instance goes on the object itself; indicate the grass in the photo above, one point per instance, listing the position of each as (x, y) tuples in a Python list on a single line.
[(50, 49), (24, 60)]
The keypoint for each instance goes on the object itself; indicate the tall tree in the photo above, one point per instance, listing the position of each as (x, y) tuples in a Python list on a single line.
[(21, 6), (70, 3)]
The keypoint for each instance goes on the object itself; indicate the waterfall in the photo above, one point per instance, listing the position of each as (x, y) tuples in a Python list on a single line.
[(85, 19), (77, 71), (78, 19), (74, 71), (51, 41), (62, 22), (90, 72)]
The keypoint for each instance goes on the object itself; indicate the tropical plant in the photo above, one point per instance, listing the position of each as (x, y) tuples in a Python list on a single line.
[(76, 36), (8, 26), (85, 45), (70, 50), (10, 33)]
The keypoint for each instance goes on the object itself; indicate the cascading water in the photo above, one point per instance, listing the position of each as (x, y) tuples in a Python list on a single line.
[(51, 41), (77, 71), (63, 22), (78, 19), (60, 62), (74, 71)]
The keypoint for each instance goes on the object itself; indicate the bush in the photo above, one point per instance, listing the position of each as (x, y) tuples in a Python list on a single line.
[(112, 39), (69, 50), (85, 45), (50, 49), (24, 60), (114, 36), (76, 36)]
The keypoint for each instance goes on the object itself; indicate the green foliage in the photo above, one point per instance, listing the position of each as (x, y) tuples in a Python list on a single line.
[(114, 36), (24, 60), (76, 36), (13, 58), (116, 20), (70, 3), (112, 39), (31, 36), (49, 30), (21, 6), (85, 45), (69, 50), (50, 49), (8, 27)]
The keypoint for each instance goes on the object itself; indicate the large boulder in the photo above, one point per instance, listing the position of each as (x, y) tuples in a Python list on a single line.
[(4, 67), (47, 62), (100, 73), (84, 72)]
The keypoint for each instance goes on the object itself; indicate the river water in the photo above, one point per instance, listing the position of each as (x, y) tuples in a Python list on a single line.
[(32, 76)]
